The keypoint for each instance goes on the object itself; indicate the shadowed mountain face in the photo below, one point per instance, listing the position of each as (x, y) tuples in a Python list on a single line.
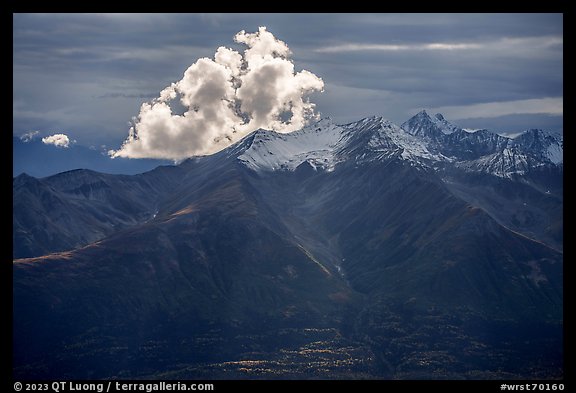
[(356, 251), (75, 208)]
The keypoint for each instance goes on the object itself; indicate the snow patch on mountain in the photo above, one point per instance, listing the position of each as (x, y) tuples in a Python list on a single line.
[(555, 154), (542, 144), (444, 125), (390, 136), (507, 163)]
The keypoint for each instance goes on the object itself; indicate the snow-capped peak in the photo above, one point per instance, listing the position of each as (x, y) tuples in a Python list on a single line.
[(432, 128), (387, 138), (272, 151), (325, 144), (539, 142), (423, 141)]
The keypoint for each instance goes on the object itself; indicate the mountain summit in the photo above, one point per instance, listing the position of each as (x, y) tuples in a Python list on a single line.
[(324, 145), (427, 127), (364, 250)]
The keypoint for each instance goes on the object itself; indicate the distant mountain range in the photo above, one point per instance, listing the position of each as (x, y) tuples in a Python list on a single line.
[(34, 158), (365, 250)]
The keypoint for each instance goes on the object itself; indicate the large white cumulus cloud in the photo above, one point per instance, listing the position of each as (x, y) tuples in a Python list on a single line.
[(225, 99)]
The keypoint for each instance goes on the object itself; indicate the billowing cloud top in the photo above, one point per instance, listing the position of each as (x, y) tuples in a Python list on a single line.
[(225, 99), (58, 140)]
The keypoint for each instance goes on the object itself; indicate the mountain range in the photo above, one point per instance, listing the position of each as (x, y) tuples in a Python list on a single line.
[(35, 158), (365, 250)]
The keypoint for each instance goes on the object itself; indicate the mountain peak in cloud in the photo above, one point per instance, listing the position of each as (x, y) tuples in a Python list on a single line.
[(225, 99)]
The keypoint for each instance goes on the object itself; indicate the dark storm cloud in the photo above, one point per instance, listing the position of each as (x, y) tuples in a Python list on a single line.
[(510, 124), (124, 95), (62, 62)]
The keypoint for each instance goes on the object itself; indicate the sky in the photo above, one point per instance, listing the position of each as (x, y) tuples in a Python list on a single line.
[(158, 86)]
